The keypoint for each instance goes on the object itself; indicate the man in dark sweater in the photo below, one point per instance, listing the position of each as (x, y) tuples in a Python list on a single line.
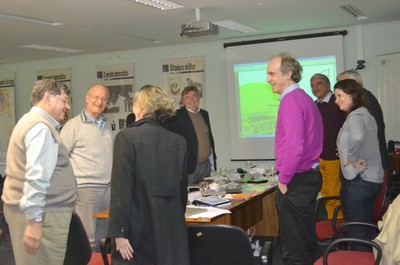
[(333, 119)]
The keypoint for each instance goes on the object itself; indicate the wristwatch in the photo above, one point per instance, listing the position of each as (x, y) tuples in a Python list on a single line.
[(38, 219)]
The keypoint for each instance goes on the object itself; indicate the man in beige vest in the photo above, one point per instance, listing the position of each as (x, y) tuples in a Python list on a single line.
[(40, 189)]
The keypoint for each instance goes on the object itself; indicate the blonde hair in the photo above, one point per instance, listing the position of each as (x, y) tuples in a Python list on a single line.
[(155, 103)]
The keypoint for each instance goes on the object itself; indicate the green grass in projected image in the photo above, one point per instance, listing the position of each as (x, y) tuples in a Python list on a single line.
[(258, 110)]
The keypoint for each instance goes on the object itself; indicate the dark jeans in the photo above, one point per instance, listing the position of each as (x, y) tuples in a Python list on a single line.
[(296, 210), (358, 199)]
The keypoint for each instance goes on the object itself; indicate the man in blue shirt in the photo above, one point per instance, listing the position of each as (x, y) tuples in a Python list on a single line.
[(40, 189)]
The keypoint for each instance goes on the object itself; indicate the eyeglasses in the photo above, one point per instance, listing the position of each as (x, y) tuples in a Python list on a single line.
[(97, 98), (63, 99)]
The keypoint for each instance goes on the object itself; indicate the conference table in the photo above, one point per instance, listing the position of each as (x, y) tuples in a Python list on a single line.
[(258, 211)]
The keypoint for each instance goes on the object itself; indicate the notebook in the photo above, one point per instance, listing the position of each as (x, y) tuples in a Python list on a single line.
[(213, 201), (193, 210)]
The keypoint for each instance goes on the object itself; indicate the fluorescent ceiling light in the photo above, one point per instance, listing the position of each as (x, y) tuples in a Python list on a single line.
[(139, 38), (160, 4), (29, 19), (229, 24), (49, 48), (354, 11)]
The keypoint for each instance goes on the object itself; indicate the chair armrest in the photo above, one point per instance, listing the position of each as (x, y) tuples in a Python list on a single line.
[(323, 200), (353, 240), (106, 247), (344, 226), (335, 217)]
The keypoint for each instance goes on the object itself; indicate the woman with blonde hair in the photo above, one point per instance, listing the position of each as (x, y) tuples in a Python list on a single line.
[(149, 186)]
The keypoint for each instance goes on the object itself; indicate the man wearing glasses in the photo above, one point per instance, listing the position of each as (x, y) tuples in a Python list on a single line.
[(88, 138), (40, 189)]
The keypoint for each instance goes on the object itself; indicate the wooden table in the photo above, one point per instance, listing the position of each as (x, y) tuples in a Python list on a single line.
[(258, 212)]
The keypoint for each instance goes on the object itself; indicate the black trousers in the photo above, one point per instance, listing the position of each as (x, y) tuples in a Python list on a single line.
[(296, 211)]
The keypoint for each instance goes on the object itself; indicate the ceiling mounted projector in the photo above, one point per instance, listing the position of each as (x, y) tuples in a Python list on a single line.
[(198, 27)]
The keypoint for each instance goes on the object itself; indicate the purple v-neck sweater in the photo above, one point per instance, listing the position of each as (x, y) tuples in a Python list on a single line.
[(299, 135)]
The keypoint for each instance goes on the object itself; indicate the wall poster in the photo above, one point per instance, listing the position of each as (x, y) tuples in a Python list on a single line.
[(119, 79), (63, 76), (7, 113), (180, 73)]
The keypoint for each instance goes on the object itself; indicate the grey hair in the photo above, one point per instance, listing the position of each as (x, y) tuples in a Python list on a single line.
[(289, 63), (323, 77), (350, 74)]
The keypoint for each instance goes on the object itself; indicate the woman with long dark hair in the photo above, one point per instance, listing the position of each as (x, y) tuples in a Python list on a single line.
[(358, 148)]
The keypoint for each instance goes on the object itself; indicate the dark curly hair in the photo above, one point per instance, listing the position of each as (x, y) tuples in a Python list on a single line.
[(355, 90)]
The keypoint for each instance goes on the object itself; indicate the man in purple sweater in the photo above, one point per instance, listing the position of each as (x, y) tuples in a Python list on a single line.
[(298, 145)]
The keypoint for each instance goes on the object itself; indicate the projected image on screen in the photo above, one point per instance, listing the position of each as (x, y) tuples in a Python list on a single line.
[(253, 107), (258, 105)]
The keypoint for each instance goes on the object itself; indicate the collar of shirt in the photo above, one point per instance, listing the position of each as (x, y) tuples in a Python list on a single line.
[(192, 111), (288, 90), (100, 123), (327, 98), (48, 117)]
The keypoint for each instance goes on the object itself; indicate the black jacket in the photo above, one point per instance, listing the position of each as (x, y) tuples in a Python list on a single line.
[(182, 124), (376, 111), (149, 193)]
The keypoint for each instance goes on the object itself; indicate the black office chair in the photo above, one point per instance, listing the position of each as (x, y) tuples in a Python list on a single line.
[(219, 245), (78, 250), (107, 246)]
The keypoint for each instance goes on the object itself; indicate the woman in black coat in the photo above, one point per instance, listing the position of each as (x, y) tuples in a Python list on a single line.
[(149, 186)]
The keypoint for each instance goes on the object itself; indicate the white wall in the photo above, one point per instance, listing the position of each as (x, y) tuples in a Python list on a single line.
[(379, 38)]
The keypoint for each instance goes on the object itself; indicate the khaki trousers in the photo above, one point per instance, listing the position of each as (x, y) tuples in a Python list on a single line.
[(55, 228), (330, 184)]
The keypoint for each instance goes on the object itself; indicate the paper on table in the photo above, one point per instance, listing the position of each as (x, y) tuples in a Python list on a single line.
[(210, 213), (258, 187)]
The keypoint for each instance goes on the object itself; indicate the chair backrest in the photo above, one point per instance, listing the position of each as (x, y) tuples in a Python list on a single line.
[(78, 250), (219, 245)]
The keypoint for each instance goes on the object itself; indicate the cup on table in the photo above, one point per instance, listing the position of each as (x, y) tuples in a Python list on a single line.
[(223, 172), (248, 165), (203, 186), (273, 172)]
